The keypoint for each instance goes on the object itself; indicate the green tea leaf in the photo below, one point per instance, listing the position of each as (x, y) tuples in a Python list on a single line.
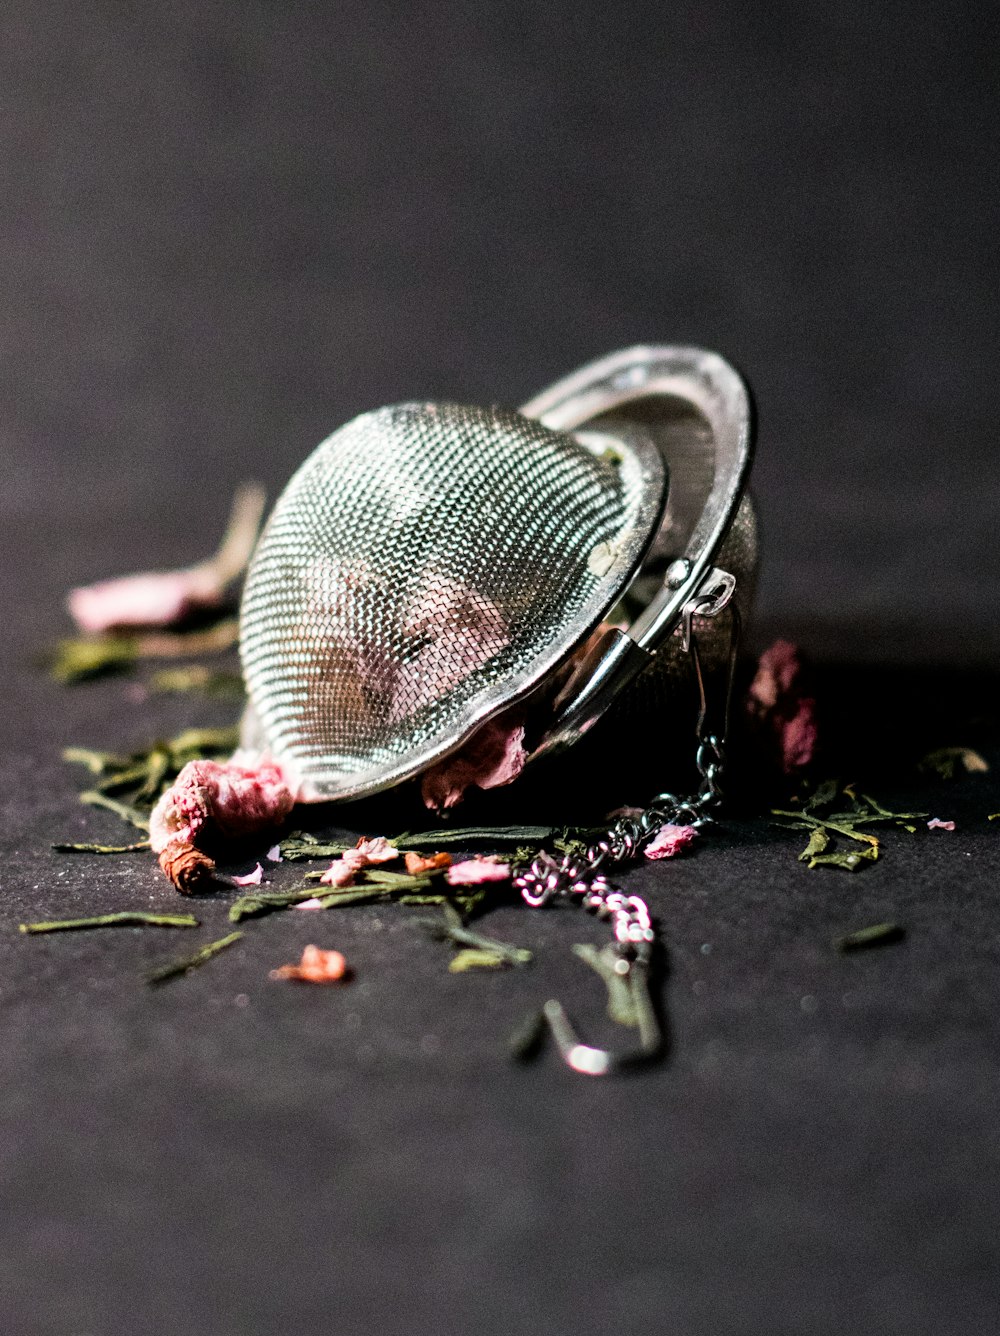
[(197, 677), (435, 839), (192, 962), (850, 862), (880, 934), (818, 841), (473, 959), (133, 918), (947, 761), (77, 660), (101, 848), (449, 931), (604, 961), (126, 811)]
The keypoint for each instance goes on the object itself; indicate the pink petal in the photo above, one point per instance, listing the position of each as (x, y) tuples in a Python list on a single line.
[(376, 850), (780, 702), (339, 873), (157, 598), (273, 854), (936, 824), (492, 757), (670, 840), (251, 879), (309, 904), (476, 871)]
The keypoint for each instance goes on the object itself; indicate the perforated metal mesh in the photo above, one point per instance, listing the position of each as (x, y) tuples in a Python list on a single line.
[(426, 564)]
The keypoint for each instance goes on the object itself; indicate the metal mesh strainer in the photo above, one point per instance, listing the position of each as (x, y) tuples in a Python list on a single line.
[(429, 564), (424, 567)]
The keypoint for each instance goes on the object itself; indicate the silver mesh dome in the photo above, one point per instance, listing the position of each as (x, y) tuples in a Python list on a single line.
[(427, 565)]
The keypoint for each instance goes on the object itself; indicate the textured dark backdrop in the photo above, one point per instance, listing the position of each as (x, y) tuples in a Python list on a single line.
[(226, 229)]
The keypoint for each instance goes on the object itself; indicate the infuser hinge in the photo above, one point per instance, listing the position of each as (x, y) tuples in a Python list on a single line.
[(714, 593)]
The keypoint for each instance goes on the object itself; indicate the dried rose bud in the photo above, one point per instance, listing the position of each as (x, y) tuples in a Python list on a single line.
[(316, 966)]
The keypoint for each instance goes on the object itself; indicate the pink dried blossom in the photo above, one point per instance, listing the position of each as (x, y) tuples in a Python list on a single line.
[(209, 800), (339, 873), (309, 904), (782, 706), (492, 757), (367, 853), (316, 966), (273, 854), (670, 840), (476, 871), (251, 879), (165, 598), (936, 823)]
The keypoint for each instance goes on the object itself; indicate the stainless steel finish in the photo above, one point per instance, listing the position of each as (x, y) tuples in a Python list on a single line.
[(428, 565)]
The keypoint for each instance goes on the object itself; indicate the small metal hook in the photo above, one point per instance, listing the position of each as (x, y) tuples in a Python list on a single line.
[(590, 1061)]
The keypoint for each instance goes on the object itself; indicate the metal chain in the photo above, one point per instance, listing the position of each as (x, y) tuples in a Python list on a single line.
[(583, 876)]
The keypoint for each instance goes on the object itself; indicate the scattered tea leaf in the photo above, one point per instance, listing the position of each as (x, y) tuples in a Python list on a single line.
[(947, 761), (85, 657), (879, 934), (473, 959), (198, 677), (101, 848), (293, 849), (450, 931), (461, 835), (851, 862), (621, 1000), (94, 798), (818, 841), (192, 962), (134, 918)]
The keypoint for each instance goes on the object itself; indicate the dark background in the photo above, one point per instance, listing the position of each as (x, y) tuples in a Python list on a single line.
[(224, 230)]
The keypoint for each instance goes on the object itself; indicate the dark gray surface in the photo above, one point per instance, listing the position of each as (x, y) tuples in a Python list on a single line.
[(223, 234)]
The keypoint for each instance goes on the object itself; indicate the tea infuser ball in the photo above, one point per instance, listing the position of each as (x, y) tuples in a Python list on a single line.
[(431, 564)]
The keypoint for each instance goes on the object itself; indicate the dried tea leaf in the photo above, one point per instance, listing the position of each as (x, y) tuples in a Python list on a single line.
[(101, 848), (818, 841), (94, 798), (621, 1000), (473, 959), (450, 931), (851, 862), (84, 657), (253, 905), (879, 934), (198, 677), (431, 839), (192, 962), (947, 761), (130, 918)]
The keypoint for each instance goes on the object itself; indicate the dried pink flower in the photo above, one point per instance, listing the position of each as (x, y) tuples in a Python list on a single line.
[(209, 800), (670, 840), (419, 863), (376, 850), (339, 873), (251, 879), (782, 706), (164, 598), (492, 757), (273, 854), (316, 966), (936, 823), (314, 903), (476, 871)]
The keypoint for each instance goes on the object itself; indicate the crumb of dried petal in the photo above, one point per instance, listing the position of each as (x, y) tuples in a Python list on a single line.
[(476, 871), (273, 854), (670, 840), (187, 867), (376, 850), (339, 873), (309, 904), (493, 756), (251, 879), (316, 966), (781, 704), (936, 823), (418, 863)]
